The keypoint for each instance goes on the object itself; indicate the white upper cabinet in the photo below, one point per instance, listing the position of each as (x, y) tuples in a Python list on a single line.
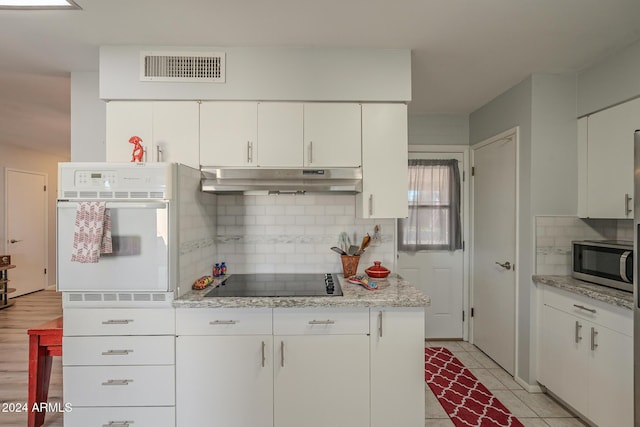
[(168, 129), (332, 135), (384, 162), (280, 133), (228, 133), (609, 161)]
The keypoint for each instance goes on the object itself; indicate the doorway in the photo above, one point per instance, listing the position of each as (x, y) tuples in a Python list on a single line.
[(494, 251), (26, 229), (442, 274)]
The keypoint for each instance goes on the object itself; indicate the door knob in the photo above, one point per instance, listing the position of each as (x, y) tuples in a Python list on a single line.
[(506, 265), (14, 241)]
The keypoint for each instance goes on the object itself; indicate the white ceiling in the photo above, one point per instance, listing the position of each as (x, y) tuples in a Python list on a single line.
[(465, 52)]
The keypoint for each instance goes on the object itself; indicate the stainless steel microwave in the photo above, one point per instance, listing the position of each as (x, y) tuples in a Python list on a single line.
[(605, 262)]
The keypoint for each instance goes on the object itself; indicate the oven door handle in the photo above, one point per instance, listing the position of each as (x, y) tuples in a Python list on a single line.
[(120, 205), (623, 266)]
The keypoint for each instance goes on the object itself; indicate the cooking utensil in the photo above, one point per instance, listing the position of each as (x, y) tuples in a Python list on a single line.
[(353, 249), (365, 242), (338, 250), (344, 241)]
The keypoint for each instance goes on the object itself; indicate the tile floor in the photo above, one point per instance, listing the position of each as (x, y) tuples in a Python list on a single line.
[(532, 409)]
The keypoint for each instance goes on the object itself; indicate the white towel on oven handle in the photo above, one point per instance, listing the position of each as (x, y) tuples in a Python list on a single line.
[(92, 232)]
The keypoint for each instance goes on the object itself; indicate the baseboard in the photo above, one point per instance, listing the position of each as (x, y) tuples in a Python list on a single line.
[(51, 287), (528, 387)]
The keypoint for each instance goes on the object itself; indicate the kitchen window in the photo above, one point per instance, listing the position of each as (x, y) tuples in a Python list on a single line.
[(434, 207)]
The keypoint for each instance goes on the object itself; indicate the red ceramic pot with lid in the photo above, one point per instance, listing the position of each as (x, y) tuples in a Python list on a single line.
[(377, 271)]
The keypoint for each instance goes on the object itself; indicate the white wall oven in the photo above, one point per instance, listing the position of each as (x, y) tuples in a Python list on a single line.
[(114, 230)]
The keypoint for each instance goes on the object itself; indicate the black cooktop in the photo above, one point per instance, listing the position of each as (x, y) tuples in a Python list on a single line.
[(278, 285)]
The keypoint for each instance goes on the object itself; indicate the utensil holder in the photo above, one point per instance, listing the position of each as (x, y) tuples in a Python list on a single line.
[(350, 264)]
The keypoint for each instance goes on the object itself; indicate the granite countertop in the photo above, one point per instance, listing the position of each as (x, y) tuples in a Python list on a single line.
[(393, 291), (598, 292)]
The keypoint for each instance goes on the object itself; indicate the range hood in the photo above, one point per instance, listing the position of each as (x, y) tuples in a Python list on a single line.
[(281, 181)]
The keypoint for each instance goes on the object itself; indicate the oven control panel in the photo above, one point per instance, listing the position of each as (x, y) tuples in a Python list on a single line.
[(114, 180)]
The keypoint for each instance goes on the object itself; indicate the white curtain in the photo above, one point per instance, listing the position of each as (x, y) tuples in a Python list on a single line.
[(434, 207)]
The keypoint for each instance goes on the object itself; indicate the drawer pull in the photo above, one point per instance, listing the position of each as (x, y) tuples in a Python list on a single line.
[(593, 339), (118, 424), (282, 354), (117, 322), (380, 324), (223, 322), (117, 352), (322, 322), (578, 327), (263, 355), (117, 382), (582, 307)]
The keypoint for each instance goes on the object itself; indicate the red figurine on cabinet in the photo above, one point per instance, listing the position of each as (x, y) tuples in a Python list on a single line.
[(138, 151)]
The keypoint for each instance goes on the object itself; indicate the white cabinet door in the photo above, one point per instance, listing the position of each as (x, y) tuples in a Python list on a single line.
[(610, 160), (563, 360), (610, 377), (332, 135), (168, 129), (280, 134), (384, 162), (397, 367), (583, 171), (224, 381), (321, 381), (124, 120), (228, 133), (175, 133)]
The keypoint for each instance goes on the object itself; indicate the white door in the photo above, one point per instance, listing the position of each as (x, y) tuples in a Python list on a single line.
[(280, 134), (439, 274), (332, 135), (494, 249), (26, 230)]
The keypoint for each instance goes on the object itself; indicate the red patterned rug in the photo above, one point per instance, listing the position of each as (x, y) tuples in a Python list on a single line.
[(463, 397)]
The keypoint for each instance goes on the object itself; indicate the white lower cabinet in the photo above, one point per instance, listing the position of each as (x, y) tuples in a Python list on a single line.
[(118, 367), (397, 388), (313, 368), (586, 356)]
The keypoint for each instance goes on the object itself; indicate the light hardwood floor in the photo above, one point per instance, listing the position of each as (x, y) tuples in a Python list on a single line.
[(28, 311)]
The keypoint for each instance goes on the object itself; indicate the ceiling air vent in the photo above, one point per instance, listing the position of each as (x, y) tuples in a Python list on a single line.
[(182, 67)]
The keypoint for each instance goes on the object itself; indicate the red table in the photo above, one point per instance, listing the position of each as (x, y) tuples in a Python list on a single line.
[(45, 341)]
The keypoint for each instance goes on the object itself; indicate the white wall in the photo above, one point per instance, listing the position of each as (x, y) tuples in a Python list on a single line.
[(16, 157), (321, 74), (88, 118), (438, 129), (611, 81)]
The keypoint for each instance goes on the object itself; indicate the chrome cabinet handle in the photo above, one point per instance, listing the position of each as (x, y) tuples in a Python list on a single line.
[(380, 324), (310, 152), (593, 338), (578, 327), (263, 355), (249, 152), (322, 322), (282, 354), (370, 204), (582, 307), (627, 200), (223, 322), (14, 241), (117, 382), (117, 352), (505, 265), (159, 154), (117, 322), (118, 424)]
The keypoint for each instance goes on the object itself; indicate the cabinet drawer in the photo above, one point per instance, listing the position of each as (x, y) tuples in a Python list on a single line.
[(607, 315), (163, 416), (119, 321), (333, 321), (119, 350), (220, 321), (119, 385)]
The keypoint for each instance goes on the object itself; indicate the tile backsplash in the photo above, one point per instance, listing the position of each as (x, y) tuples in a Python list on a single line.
[(294, 233), (555, 233)]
